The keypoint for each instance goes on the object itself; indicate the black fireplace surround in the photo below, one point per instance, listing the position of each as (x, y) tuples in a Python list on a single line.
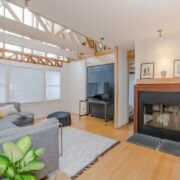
[(159, 114)]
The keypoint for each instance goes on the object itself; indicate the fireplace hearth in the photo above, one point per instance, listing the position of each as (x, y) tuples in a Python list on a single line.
[(157, 110)]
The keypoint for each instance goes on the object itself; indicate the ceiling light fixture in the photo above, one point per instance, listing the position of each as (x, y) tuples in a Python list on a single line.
[(26, 7), (160, 34), (101, 45), (68, 30)]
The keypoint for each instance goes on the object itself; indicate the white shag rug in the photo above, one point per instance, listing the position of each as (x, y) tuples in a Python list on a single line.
[(81, 149)]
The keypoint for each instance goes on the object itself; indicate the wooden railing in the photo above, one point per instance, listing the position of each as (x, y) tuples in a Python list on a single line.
[(17, 56)]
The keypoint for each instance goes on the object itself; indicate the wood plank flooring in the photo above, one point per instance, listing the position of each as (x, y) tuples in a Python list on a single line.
[(126, 161)]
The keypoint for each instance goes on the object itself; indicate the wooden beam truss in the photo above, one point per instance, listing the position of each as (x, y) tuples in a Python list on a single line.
[(11, 55), (72, 45), (131, 55), (35, 45)]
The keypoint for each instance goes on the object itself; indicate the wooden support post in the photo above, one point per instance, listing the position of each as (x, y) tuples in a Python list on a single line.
[(116, 86)]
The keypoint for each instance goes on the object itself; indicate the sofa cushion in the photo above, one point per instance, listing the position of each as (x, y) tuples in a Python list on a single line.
[(16, 105), (6, 125), (26, 118), (9, 132), (8, 110)]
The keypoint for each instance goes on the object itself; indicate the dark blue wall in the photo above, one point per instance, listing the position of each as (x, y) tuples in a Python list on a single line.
[(102, 73)]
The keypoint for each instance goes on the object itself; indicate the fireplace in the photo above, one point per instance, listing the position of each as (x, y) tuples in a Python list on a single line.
[(157, 110)]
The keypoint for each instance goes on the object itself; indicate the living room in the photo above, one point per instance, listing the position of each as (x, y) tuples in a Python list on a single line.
[(89, 99)]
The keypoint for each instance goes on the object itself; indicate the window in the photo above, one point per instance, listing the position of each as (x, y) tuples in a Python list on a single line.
[(8, 14), (52, 85), (1, 10), (28, 17), (17, 10), (3, 82), (51, 55), (39, 53), (27, 50), (24, 84), (14, 48)]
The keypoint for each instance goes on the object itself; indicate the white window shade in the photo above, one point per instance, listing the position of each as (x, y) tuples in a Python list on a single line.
[(53, 85), (52, 78), (27, 84), (3, 83)]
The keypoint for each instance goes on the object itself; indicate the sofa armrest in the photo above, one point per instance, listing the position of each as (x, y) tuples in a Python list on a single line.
[(46, 137)]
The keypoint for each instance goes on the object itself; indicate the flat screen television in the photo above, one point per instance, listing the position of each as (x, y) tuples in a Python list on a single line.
[(97, 89)]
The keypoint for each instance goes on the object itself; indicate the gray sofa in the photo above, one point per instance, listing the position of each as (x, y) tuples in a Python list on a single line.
[(44, 134), (20, 118)]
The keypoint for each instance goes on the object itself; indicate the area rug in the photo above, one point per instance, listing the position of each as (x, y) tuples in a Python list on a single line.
[(82, 149)]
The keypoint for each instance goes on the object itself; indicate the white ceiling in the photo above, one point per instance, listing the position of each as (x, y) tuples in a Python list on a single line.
[(121, 22)]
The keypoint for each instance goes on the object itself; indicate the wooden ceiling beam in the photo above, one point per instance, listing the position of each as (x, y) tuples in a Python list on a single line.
[(130, 55), (35, 45), (11, 11), (29, 58), (25, 30), (42, 23), (104, 52), (74, 36), (61, 31)]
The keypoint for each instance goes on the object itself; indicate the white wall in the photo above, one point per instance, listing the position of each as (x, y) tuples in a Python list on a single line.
[(161, 52), (106, 59), (77, 85), (41, 109), (123, 88)]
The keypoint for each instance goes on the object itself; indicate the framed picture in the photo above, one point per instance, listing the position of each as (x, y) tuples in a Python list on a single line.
[(177, 68), (147, 70)]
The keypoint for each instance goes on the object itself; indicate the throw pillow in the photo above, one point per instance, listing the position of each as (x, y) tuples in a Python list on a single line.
[(1, 115), (7, 110)]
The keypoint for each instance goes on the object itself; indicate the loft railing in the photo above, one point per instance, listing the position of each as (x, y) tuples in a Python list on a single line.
[(17, 56)]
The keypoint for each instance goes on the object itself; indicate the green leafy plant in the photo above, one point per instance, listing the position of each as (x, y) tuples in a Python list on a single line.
[(19, 161)]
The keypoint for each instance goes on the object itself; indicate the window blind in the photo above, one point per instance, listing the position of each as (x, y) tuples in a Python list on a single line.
[(53, 85), (26, 84), (3, 83)]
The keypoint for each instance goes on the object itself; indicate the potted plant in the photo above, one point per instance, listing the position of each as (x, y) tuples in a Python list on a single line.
[(19, 161)]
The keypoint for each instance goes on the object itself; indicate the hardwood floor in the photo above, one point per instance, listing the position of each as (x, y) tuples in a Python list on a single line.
[(126, 161)]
